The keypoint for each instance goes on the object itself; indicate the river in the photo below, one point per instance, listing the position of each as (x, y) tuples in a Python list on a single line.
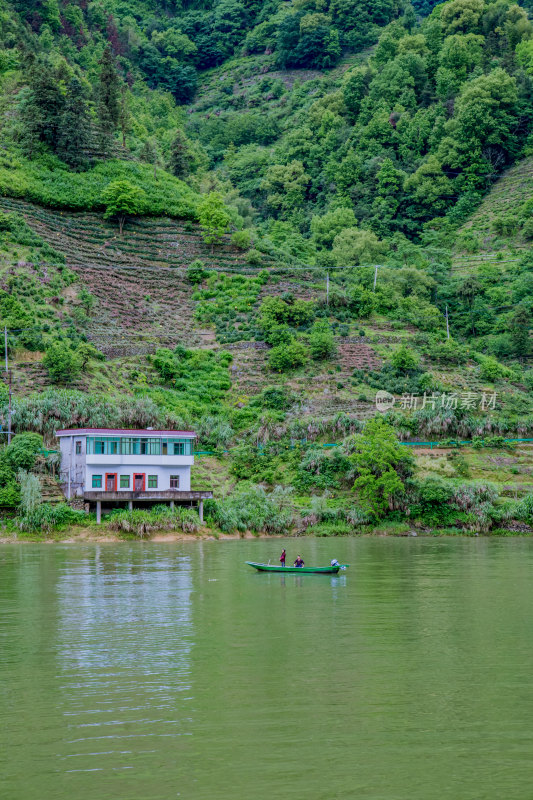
[(151, 671)]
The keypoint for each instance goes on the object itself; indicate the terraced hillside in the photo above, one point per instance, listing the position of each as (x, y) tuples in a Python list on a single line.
[(138, 279), (498, 227), (144, 301)]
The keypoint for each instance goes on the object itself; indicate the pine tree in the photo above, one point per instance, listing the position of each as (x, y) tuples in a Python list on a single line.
[(75, 131), (124, 117), (180, 156), (42, 107), (108, 97), (520, 328)]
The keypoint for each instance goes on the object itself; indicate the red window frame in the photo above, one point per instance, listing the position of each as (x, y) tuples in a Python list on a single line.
[(110, 475), (136, 475)]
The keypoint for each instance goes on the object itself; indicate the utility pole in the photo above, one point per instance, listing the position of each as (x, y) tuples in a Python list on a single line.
[(327, 287), (447, 324), (375, 276), (9, 413), (5, 346)]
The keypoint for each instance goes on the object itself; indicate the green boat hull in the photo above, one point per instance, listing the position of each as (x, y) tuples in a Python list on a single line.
[(316, 570)]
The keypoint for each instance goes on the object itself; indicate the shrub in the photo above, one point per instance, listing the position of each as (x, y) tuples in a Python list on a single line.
[(62, 362), (357, 516), (160, 518), (252, 508), (491, 370), (48, 517), (322, 469), (447, 351), (22, 452), (477, 501), (524, 509), (254, 257), (404, 360), (274, 397), (196, 272), (278, 334), (321, 341), (242, 240), (30, 492), (285, 310), (361, 301), (288, 356)]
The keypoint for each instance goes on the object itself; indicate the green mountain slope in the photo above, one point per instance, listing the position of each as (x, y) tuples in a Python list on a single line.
[(501, 225), (249, 218)]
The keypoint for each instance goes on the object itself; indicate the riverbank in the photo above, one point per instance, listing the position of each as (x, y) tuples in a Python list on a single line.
[(99, 535)]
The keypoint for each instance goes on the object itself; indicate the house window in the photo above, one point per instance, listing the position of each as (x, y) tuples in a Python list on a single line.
[(97, 481), (176, 447), (78, 448), (152, 481), (124, 481), (174, 481)]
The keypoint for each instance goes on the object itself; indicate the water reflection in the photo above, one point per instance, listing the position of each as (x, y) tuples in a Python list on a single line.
[(125, 636), (156, 671)]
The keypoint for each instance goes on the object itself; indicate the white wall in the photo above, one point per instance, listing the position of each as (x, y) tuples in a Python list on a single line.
[(72, 464), (163, 473)]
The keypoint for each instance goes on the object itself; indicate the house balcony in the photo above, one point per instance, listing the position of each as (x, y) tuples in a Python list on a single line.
[(147, 496), (147, 461)]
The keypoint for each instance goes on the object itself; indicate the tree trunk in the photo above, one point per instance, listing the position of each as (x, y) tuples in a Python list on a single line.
[(121, 220)]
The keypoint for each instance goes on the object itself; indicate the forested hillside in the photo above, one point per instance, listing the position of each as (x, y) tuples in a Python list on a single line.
[(248, 218)]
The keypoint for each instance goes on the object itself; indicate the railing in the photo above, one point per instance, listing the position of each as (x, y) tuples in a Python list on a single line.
[(138, 446)]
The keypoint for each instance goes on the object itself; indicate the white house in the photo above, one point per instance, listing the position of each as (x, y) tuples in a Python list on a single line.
[(120, 465)]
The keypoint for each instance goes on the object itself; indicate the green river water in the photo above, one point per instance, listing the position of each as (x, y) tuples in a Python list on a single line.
[(157, 671)]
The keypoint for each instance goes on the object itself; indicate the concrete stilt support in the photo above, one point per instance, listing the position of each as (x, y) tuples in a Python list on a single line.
[(98, 511), (172, 504), (130, 505), (201, 510)]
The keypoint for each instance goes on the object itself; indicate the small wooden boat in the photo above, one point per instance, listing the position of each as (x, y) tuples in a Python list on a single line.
[(317, 570)]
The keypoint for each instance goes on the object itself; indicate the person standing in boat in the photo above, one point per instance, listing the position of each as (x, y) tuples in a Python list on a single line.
[(299, 562), (282, 557)]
